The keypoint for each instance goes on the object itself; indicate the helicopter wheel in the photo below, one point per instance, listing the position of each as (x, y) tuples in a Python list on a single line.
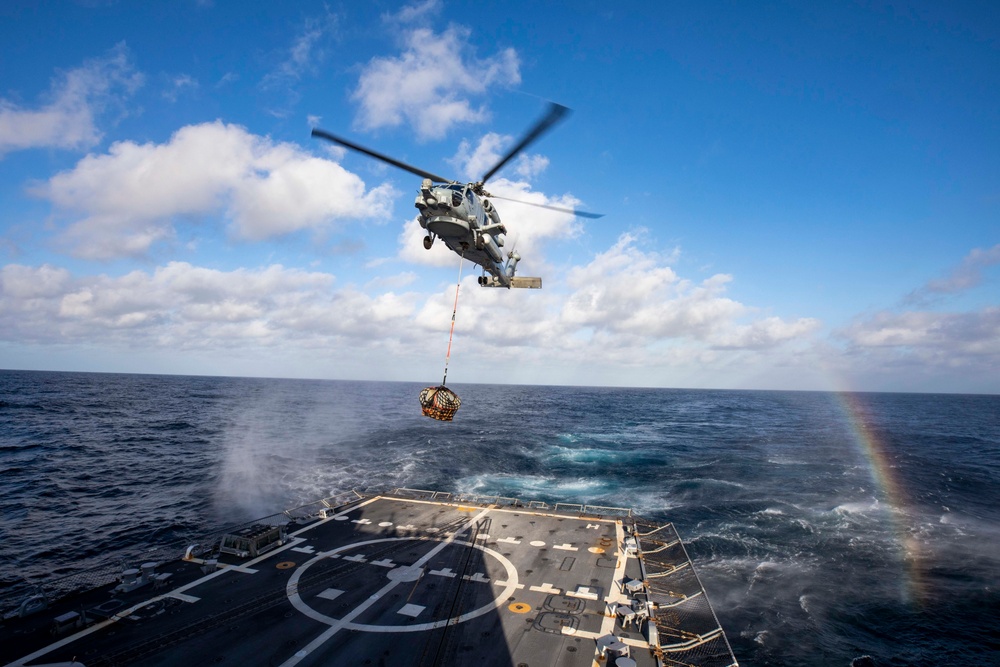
[(428, 242)]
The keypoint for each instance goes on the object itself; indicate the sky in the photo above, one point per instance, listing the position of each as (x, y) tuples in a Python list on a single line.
[(800, 196)]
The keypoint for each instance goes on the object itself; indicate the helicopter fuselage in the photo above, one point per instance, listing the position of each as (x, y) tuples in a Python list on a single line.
[(469, 225)]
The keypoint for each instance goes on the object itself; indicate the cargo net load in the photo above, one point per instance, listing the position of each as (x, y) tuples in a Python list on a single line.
[(439, 403)]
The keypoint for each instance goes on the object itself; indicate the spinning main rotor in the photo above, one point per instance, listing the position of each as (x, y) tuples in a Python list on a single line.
[(556, 113)]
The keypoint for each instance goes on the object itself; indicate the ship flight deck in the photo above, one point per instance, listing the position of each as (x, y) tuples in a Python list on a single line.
[(399, 578)]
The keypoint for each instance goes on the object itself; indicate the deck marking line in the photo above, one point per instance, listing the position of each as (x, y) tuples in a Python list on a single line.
[(545, 588), (616, 594), (347, 621)]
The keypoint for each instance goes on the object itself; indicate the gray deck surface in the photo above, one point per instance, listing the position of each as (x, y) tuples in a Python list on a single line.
[(385, 581)]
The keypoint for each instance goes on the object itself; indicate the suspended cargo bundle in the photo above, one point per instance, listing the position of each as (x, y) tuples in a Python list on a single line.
[(439, 403)]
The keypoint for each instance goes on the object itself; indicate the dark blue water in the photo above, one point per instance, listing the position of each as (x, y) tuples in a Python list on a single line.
[(810, 556)]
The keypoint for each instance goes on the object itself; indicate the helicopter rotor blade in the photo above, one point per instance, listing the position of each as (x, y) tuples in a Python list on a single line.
[(378, 156), (556, 113), (581, 214)]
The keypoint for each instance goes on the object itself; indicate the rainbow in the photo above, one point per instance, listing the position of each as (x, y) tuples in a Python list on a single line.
[(893, 496)]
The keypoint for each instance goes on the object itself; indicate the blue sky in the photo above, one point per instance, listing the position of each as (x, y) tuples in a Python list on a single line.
[(797, 196)]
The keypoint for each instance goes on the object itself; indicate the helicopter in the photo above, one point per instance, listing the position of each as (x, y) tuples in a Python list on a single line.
[(461, 214)]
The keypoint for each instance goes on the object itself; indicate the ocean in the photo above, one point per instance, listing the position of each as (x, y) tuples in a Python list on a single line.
[(826, 527)]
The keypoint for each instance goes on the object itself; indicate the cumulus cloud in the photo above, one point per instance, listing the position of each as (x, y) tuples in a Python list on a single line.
[(68, 118), (430, 84), (636, 293), (473, 162), (180, 306), (626, 306), (952, 339), (931, 349), (131, 197)]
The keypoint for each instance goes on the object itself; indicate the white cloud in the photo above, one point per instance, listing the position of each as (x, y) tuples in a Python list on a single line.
[(176, 85), (626, 306), (922, 351), (68, 119), (183, 307), (474, 162), (950, 338), (414, 13), (411, 248), (968, 274), (304, 52), (131, 197), (429, 85), (634, 296)]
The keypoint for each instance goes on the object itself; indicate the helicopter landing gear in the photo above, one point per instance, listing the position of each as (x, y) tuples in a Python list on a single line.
[(428, 242)]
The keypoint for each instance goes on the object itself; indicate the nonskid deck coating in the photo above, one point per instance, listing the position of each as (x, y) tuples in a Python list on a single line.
[(391, 581)]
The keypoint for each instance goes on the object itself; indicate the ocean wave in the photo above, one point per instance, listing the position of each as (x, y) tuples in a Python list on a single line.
[(803, 559)]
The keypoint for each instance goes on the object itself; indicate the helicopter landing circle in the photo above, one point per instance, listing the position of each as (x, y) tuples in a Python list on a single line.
[(396, 576)]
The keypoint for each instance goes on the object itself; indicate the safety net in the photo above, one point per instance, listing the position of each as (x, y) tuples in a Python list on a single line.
[(439, 403)]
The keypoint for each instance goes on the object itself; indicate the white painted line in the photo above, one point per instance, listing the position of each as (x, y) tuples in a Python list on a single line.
[(478, 576), (182, 597), (305, 550), (237, 568), (537, 543), (337, 624), (507, 583), (385, 562), (357, 558), (361, 522), (411, 610), (545, 588), (384, 524), (330, 594), (616, 595), (443, 572), (583, 592), (509, 540), (565, 547)]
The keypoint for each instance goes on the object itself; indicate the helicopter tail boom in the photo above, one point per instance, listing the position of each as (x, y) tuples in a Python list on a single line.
[(518, 282)]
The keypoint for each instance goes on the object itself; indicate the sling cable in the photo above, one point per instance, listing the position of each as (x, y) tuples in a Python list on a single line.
[(440, 402)]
